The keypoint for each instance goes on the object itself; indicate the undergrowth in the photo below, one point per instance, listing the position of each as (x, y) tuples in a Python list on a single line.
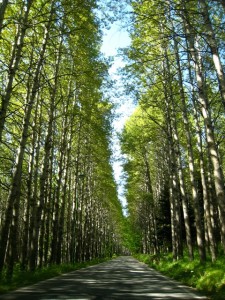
[(208, 277), (23, 278)]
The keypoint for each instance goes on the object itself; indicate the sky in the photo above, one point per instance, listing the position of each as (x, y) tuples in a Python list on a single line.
[(113, 39)]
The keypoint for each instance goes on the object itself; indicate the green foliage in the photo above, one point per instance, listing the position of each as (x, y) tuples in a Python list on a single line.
[(167, 137), (209, 278), (61, 154), (130, 238), (142, 142)]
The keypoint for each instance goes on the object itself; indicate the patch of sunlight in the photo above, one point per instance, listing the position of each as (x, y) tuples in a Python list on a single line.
[(89, 281), (67, 298), (174, 296)]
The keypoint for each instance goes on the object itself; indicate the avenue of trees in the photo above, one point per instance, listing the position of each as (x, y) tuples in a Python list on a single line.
[(174, 142), (58, 197)]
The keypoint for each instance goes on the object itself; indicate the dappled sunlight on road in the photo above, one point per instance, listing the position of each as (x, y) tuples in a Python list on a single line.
[(121, 278)]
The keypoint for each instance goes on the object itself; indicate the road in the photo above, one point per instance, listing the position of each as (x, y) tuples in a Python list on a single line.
[(122, 278)]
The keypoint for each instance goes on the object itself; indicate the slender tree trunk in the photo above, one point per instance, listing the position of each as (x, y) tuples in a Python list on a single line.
[(75, 219), (69, 209), (210, 35), (34, 196), (214, 156), (175, 145), (55, 244), (45, 173), (14, 195), (14, 63), (217, 171), (174, 198), (214, 210), (2, 13), (49, 207), (41, 237), (27, 223), (199, 229), (25, 244), (66, 211), (65, 164), (151, 211), (206, 196)]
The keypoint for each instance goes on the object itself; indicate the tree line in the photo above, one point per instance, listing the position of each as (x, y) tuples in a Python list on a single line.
[(58, 197), (174, 141)]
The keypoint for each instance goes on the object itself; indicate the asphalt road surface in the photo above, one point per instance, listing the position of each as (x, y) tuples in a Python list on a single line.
[(122, 278)]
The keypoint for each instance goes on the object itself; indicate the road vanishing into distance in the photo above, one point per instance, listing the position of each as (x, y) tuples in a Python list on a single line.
[(121, 278)]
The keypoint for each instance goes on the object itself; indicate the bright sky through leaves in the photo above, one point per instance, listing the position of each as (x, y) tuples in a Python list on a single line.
[(114, 38)]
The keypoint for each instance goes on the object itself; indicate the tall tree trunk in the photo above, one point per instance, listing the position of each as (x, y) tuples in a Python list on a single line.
[(176, 154), (151, 230), (196, 204), (207, 206), (174, 196), (11, 218), (49, 209), (210, 35), (2, 13), (63, 196), (14, 63), (217, 171), (206, 194), (27, 223), (47, 154), (69, 210), (28, 219), (34, 196), (75, 221)]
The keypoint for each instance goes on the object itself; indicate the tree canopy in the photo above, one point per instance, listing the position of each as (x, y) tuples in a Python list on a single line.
[(58, 196), (172, 142)]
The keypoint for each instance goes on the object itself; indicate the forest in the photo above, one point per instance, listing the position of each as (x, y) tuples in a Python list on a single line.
[(174, 141), (58, 196)]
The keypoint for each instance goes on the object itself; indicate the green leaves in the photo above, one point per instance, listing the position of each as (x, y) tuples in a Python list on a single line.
[(171, 74), (56, 137)]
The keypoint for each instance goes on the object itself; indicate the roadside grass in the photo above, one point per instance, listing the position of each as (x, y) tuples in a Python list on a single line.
[(208, 278), (23, 278)]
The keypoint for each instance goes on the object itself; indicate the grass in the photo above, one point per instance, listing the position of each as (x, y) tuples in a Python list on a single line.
[(24, 278), (208, 278)]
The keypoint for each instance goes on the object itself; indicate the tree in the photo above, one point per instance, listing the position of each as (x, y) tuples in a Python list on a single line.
[(60, 201), (170, 69)]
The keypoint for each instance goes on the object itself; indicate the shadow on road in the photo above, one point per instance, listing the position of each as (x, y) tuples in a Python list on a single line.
[(121, 278)]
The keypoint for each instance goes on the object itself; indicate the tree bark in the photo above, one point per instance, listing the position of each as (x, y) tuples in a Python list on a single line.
[(13, 65), (11, 219), (46, 164), (192, 169), (206, 194), (2, 13), (210, 35), (176, 163), (205, 110)]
